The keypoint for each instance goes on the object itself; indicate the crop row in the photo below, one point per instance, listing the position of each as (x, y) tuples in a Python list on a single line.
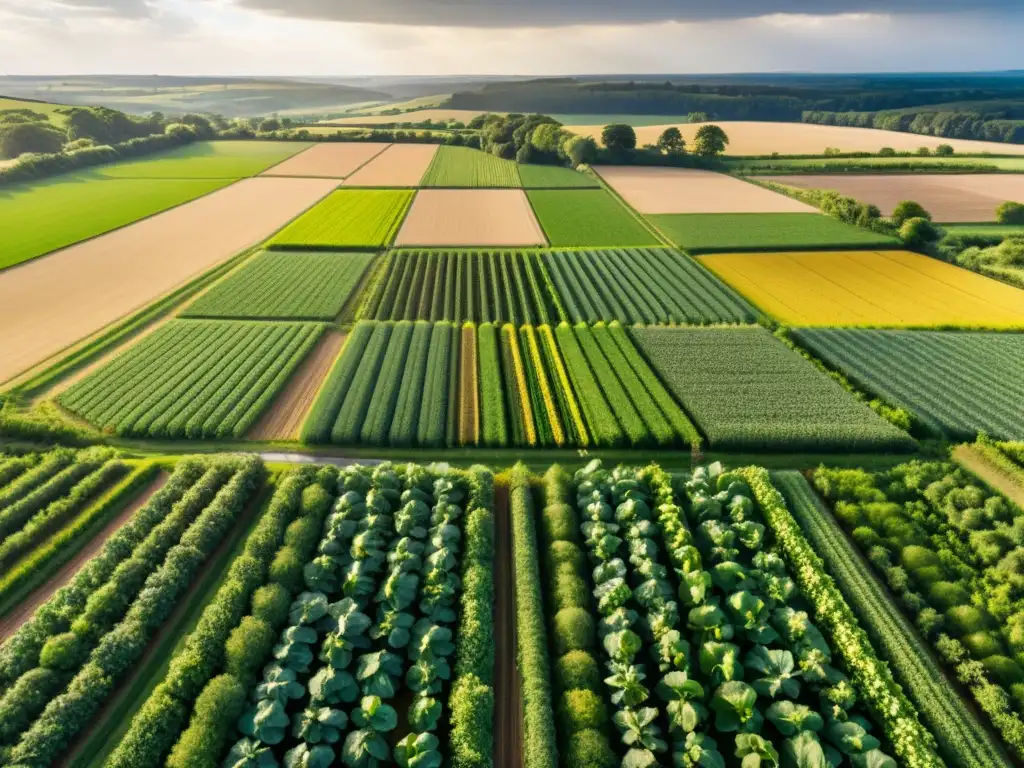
[(466, 167), (194, 379)]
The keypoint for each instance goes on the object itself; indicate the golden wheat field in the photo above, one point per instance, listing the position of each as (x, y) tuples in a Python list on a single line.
[(869, 288)]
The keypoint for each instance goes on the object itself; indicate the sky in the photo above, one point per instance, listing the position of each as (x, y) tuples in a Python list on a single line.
[(524, 37)]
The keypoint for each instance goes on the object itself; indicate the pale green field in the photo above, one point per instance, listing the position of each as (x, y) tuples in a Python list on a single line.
[(206, 160), (50, 110)]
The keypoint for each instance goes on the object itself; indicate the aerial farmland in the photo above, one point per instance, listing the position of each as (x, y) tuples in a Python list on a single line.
[(454, 438)]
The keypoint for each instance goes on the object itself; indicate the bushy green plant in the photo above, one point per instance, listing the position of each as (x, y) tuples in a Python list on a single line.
[(566, 552), (270, 603), (570, 591), (573, 630), (582, 709), (578, 669), (589, 749), (965, 620), (559, 521), (946, 594), (199, 747), (248, 647), (908, 209)]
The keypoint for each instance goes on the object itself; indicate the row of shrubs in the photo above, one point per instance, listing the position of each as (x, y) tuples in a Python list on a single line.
[(539, 743), (582, 710), (471, 702), (226, 638)]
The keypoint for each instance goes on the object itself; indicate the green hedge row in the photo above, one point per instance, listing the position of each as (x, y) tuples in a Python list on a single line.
[(471, 701), (27, 482)]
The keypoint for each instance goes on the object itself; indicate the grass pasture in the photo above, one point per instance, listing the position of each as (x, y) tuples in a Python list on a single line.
[(725, 232), (955, 384), (869, 288), (285, 286), (746, 390), (589, 218), (42, 107), (348, 218), (993, 232), (193, 378), (206, 160), (467, 167), (554, 177)]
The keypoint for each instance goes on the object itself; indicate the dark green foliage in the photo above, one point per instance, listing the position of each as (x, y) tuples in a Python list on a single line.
[(270, 603), (287, 569), (579, 710), (247, 647), (573, 630), (578, 669), (590, 749), (222, 700)]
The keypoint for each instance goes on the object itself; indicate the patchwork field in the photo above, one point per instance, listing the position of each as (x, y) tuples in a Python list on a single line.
[(193, 378), (948, 197), (334, 160), (46, 215), (467, 167), (348, 218), (994, 231), (554, 177), (782, 165), (485, 217), (689, 190), (402, 165), (288, 286), (588, 218), (872, 288), (49, 304), (205, 160), (955, 384), (724, 232), (746, 390), (649, 285), (764, 138), (416, 116)]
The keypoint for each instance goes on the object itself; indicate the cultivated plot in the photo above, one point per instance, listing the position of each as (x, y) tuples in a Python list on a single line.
[(51, 303), (467, 167), (334, 160), (554, 177), (402, 165), (948, 197), (206, 160), (285, 285), (588, 218), (415, 116), (763, 138), (348, 218), (723, 232), (194, 379), (689, 190), (747, 390), (484, 217), (956, 384), (869, 288)]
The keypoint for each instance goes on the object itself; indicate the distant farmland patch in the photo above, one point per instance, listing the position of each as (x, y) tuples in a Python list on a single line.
[(483, 217), (334, 160), (402, 165), (587, 218), (348, 218), (554, 177), (725, 232), (466, 167), (869, 288), (205, 160)]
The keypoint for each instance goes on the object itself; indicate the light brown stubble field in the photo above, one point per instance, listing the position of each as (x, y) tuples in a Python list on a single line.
[(48, 304), (950, 198), (457, 217), (417, 116), (403, 165), (331, 160), (761, 138), (687, 190)]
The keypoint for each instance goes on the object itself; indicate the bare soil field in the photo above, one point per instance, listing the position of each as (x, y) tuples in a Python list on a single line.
[(403, 165), (50, 303), (760, 138), (948, 197), (418, 116), (688, 190), (13, 620), (284, 418), (508, 697), (330, 160), (456, 217)]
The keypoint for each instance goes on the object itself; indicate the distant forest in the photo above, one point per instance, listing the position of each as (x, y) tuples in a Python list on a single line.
[(989, 107)]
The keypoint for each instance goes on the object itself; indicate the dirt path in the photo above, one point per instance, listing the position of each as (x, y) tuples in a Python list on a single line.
[(508, 699), (979, 465), (284, 418), (10, 623)]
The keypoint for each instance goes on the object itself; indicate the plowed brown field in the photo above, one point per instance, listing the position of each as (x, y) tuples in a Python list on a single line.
[(284, 418), (403, 165), (332, 160), (469, 392), (50, 303), (455, 217)]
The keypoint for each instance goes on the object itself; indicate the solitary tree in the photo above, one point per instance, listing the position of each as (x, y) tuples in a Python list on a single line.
[(697, 117), (908, 209), (671, 142), (944, 150), (619, 137), (710, 141), (918, 231), (1010, 213)]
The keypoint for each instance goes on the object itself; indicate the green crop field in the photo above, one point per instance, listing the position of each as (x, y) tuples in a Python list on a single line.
[(554, 177), (747, 390), (285, 285), (994, 232), (42, 107), (587, 218), (348, 218), (734, 232), (206, 160), (43, 216), (193, 378), (648, 285), (466, 167), (955, 384)]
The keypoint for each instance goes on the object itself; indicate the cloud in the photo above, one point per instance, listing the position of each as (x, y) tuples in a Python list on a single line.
[(122, 9), (554, 13)]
